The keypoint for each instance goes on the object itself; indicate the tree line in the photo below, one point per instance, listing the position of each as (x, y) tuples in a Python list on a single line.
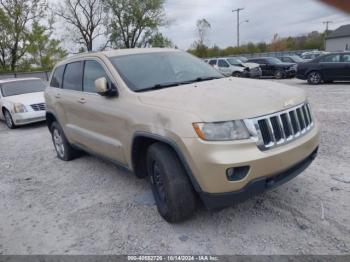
[(313, 40), (27, 29)]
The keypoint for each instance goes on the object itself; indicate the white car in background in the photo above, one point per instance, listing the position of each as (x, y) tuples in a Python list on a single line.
[(231, 66), (22, 101)]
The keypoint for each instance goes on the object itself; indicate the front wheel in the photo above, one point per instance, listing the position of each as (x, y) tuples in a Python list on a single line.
[(172, 189), (314, 78), (8, 119), (63, 149), (237, 74)]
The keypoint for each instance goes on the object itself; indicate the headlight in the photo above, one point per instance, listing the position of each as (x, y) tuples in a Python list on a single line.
[(222, 131), (20, 108)]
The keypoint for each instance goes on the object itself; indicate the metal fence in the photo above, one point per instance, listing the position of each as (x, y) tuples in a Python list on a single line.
[(276, 54), (44, 75)]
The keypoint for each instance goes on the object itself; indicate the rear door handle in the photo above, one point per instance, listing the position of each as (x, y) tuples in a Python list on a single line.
[(82, 100), (58, 95)]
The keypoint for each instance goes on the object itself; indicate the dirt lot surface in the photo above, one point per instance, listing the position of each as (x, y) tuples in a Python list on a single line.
[(88, 206)]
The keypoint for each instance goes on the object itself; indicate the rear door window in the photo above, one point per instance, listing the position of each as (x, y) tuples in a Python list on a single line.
[(346, 58), (73, 76), (56, 80)]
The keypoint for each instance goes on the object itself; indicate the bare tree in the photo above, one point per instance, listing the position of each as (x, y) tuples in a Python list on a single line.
[(85, 17), (133, 23), (15, 16), (202, 29)]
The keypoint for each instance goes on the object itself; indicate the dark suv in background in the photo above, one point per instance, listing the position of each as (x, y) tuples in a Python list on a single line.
[(271, 66), (326, 68), (291, 59)]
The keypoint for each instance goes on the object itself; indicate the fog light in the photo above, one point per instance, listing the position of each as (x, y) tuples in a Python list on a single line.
[(237, 173)]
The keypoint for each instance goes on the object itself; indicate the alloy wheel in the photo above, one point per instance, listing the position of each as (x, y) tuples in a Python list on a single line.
[(315, 78), (58, 141), (8, 119)]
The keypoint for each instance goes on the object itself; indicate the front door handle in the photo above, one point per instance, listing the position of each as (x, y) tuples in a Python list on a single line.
[(58, 96), (82, 100)]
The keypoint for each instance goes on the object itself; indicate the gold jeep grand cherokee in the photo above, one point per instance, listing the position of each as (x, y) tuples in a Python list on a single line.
[(167, 115)]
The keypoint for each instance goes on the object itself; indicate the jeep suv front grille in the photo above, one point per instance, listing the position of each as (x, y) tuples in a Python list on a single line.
[(282, 127), (38, 107)]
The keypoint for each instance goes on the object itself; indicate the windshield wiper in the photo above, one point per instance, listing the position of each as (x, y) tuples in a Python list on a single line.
[(201, 79), (159, 86), (171, 84)]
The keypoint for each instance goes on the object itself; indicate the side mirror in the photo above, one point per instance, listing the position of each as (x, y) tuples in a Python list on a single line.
[(104, 89)]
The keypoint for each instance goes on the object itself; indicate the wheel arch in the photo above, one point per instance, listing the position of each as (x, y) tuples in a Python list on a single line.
[(50, 118), (140, 144)]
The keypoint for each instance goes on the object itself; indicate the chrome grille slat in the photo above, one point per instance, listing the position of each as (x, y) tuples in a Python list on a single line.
[(38, 107), (282, 127)]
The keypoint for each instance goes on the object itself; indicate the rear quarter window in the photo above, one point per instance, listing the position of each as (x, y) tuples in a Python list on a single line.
[(56, 80)]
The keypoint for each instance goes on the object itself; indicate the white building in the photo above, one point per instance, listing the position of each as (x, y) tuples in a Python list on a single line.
[(339, 39)]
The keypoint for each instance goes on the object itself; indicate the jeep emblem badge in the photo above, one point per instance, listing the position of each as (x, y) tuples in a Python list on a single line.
[(288, 103)]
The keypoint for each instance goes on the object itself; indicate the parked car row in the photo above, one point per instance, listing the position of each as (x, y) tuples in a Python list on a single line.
[(322, 68), (166, 115)]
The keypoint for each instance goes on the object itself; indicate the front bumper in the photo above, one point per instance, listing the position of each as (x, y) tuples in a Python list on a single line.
[(301, 76), (256, 186), (291, 73), (28, 117), (209, 161)]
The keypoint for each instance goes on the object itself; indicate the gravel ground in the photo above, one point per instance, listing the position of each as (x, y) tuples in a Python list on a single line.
[(88, 206)]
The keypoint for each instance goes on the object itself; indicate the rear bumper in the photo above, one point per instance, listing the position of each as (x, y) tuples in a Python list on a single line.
[(28, 118), (257, 186)]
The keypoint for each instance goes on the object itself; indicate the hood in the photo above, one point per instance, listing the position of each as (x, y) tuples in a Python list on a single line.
[(226, 99), (286, 64), (27, 99), (250, 65)]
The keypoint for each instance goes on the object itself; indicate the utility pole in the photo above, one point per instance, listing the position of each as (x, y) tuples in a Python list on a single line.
[(238, 24), (326, 33), (327, 26)]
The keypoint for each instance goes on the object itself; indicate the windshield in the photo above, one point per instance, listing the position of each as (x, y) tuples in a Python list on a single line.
[(297, 58), (142, 72), (22, 87), (234, 61), (243, 59), (273, 60)]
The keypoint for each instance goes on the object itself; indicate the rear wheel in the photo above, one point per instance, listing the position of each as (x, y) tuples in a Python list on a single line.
[(279, 74), (63, 149), (314, 78), (8, 119), (172, 189)]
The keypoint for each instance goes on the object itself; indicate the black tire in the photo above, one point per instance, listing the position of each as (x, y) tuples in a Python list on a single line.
[(279, 74), (237, 74), (172, 189), (8, 119), (63, 149), (314, 78)]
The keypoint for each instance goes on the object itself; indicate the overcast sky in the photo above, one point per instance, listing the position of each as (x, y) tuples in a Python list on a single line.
[(266, 17)]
